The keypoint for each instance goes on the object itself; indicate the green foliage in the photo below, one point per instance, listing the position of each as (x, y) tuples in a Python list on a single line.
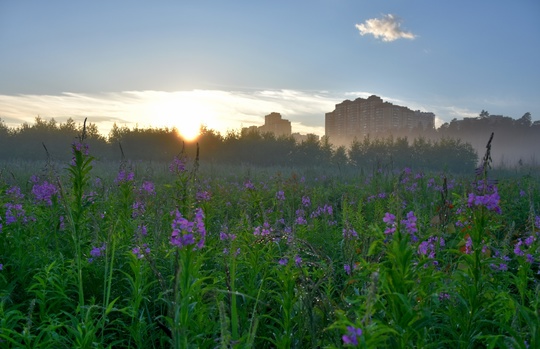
[(91, 258)]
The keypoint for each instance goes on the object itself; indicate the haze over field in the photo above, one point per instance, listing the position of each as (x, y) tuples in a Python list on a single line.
[(227, 64)]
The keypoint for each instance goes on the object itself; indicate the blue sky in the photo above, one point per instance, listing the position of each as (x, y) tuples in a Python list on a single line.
[(226, 64)]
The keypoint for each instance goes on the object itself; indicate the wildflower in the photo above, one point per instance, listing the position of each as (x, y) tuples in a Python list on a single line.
[(203, 196), (280, 195), (183, 231), (148, 187), (283, 261), (468, 245), (517, 248), (352, 335), (140, 252), (96, 252), (138, 209), (306, 201), (297, 260), (443, 296), (142, 229), (263, 230), (124, 177), (410, 223), (15, 193), (349, 233), (178, 165), (1, 267), (347, 269), (80, 147), (529, 258), (529, 240), (62, 224), (248, 185), (13, 212), (389, 218), (390, 221)]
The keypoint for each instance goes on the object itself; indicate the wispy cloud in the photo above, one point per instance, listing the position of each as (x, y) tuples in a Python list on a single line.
[(219, 110), (387, 28)]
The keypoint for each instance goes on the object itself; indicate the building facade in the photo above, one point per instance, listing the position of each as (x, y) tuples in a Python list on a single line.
[(273, 123), (374, 117)]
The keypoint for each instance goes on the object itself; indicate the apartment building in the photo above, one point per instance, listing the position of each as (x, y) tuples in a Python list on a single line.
[(374, 117)]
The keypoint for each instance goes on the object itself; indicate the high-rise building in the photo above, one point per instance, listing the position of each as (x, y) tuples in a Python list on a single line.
[(273, 123), (372, 116)]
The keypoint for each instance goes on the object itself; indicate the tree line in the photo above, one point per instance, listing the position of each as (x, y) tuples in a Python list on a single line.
[(50, 139)]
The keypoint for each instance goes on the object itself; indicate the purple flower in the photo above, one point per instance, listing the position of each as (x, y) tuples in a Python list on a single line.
[(203, 196), (517, 248), (468, 246), (283, 261), (138, 209), (297, 260), (349, 233), (443, 296), (80, 147), (1, 267), (306, 201), (410, 224), (96, 252), (280, 195), (389, 218), (178, 165), (140, 252), (248, 185), (352, 335), (347, 269), (148, 187), (124, 177), (530, 258), (183, 230), (263, 230), (15, 193), (142, 229)]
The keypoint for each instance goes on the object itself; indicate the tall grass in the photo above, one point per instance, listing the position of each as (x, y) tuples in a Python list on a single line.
[(185, 255)]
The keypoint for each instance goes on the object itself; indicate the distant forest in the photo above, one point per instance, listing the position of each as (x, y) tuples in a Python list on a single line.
[(455, 146)]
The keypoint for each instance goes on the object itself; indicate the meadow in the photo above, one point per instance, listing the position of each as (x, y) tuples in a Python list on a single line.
[(190, 255)]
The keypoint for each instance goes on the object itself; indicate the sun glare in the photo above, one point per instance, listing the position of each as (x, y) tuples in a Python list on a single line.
[(184, 114)]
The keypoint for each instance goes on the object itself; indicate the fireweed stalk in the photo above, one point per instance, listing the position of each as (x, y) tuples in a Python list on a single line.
[(79, 171), (187, 238)]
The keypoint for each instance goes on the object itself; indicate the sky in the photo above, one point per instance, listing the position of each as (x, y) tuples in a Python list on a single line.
[(227, 64)]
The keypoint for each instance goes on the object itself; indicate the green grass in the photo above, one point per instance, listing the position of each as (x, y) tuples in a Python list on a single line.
[(290, 258)]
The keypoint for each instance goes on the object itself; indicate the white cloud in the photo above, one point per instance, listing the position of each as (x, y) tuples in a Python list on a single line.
[(388, 28), (221, 111)]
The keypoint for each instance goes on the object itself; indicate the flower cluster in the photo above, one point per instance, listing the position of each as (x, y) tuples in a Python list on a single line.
[(428, 248), (263, 230), (349, 233), (306, 201), (178, 165), (183, 230), (14, 212), (522, 248), (390, 221), (141, 251), (410, 225), (352, 335), (148, 188), (96, 252), (280, 195), (124, 177), (489, 201), (322, 210)]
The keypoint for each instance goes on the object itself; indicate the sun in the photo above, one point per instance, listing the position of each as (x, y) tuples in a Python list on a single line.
[(186, 115), (188, 129)]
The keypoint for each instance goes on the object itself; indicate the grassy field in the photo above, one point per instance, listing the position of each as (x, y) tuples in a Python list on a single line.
[(188, 255)]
